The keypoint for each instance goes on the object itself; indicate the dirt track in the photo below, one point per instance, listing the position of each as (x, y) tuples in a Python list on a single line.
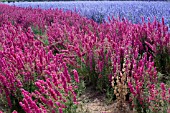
[(95, 102)]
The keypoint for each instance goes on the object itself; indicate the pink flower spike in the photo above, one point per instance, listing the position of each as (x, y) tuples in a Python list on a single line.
[(76, 77), (163, 91), (60, 110)]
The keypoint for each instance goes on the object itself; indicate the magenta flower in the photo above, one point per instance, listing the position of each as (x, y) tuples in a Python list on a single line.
[(76, 76), (163, 94)]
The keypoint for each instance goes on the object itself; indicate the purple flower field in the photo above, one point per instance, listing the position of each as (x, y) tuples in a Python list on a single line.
[(98, 10)]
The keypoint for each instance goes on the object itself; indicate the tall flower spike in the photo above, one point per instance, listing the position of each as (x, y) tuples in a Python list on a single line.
[(76, 76)]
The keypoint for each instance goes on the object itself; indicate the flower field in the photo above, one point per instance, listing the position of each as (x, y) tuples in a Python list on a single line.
[(100, 10), (47, 57)]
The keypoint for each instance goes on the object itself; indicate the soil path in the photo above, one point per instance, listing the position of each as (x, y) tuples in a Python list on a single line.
[(94, 102)]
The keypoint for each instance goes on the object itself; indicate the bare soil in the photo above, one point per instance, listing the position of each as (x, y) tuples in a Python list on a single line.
[(94, 102)]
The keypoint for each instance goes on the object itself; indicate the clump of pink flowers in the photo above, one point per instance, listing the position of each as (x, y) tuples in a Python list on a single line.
[(44, 55), (30, 69)]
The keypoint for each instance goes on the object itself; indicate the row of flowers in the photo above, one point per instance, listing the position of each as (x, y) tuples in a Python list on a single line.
[(44, 53)]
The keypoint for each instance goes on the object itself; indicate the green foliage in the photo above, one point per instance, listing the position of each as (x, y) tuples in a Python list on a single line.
[(162, 62), (81, 88), (99, 18), (37, 31), (3, 0), (110, 96), (71, 107)]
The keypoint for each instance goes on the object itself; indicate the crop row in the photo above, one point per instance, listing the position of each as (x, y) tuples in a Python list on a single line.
[(100, 10), (46, 54)]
